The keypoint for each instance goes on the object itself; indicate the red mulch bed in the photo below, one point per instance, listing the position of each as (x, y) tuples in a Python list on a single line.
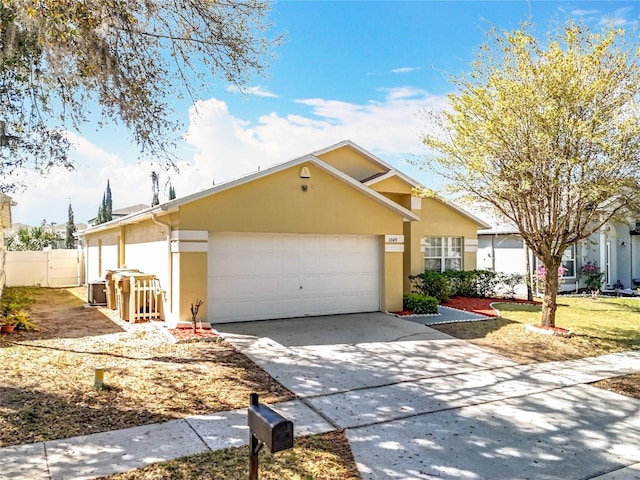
[(403, 313), (184, 335), (481, 305)]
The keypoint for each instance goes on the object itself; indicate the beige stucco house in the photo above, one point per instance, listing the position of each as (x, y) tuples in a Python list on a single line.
[(335, 231)]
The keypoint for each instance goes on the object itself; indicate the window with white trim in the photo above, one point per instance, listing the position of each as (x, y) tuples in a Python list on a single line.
[(569, 261), (443, 253)]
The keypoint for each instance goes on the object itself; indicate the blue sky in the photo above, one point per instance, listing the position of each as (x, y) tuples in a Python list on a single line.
[(348, 70)]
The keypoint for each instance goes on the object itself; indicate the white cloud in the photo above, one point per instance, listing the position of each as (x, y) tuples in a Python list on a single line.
[(47, 197), (223, 146), (255, 91), (618, 18), (582, 13), (227, 147), (404, 70)]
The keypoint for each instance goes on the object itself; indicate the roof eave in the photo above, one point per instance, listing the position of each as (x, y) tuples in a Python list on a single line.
[(174, 205)]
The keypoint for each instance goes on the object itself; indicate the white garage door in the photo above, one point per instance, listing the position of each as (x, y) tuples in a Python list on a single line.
[(259, 276)]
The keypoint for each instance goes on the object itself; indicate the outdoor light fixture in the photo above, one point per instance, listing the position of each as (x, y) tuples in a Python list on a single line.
[(305, 173)]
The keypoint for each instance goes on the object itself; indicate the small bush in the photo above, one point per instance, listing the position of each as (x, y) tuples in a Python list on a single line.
[(432, 284), (21, 320), (13, 308), (14, 299), (509, 282), (455, 283), (486, 282), (420, 304)]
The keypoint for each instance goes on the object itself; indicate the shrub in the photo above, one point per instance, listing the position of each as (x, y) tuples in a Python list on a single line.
[(509, 283), (592, 276), (14, 299), (21, 320), (420, 304), (452, 283), (13, 305), (433, 284)]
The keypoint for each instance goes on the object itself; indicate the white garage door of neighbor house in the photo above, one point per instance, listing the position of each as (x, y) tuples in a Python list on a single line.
[(263, 276)]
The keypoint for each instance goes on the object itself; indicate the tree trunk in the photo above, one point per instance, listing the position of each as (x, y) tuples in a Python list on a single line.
[(551, 284)]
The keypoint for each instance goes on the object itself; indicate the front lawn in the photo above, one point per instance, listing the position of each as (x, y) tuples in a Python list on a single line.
[(47, 391), (47, 381), (598, 326)]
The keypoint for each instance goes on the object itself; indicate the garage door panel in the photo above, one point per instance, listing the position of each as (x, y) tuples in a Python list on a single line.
[(258, 276)]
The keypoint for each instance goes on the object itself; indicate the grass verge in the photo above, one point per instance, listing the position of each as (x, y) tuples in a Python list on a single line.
[(599, 327), (326, 457)]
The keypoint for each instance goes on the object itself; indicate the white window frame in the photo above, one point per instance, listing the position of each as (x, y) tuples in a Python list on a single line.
[(568, 257), (443, 249)]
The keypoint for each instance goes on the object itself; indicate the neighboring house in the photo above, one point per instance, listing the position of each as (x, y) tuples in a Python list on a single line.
[(121, 212), (335, 231), (615, 249), (5, 223)]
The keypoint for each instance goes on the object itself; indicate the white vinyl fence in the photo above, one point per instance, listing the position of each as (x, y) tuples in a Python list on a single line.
[(54, 268)]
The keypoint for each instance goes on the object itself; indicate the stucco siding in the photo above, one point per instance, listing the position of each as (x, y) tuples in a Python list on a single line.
[(278, 203), (351, 162), (437, 219), (193, 285), (146, 249), (392, 185), (102, 253)]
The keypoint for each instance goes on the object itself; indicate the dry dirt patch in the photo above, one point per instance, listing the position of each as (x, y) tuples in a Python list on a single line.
[(326, 457), (47, 390)]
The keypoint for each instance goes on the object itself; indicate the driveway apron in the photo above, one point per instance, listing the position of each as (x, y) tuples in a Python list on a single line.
[(417, 403)]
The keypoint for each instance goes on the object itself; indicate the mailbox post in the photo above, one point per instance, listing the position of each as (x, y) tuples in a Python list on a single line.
[(266, 427)]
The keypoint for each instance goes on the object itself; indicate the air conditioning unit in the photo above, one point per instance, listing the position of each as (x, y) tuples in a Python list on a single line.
[(98, 292)]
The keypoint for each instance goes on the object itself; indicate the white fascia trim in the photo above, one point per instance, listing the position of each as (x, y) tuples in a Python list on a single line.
[(358, 148), (406, 214), (391, 174), (174, 205)]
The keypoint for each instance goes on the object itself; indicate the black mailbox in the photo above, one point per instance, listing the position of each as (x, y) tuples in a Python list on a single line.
[(270, 427)]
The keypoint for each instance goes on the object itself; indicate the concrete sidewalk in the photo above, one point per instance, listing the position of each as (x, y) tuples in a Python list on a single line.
[(101, 454), (415, 404), (534, 397)]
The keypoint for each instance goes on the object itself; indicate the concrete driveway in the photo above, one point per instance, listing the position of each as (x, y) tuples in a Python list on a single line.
[(416, 403)]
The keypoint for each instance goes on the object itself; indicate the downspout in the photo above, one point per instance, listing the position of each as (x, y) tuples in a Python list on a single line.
[(154, 218)]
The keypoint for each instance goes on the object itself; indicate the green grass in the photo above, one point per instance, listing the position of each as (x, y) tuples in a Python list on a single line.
[(598, 327), (606, 321)]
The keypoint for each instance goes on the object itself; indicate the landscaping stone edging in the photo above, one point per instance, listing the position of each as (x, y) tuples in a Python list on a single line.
[(557, 331)]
